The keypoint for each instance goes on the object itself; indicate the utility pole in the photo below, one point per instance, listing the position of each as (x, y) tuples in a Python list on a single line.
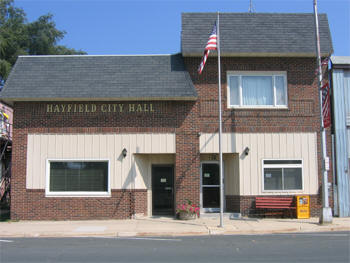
[(251, 7), (326, 215), (220, 128)]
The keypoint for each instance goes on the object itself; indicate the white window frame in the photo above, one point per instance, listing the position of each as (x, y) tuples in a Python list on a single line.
[(301, 165), (256, 73), (49, 193)]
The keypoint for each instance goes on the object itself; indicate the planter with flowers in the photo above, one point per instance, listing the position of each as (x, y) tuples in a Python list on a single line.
[(187, 211)]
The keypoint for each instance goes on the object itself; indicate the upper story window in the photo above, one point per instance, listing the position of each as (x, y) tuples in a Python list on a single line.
[(248, 89)]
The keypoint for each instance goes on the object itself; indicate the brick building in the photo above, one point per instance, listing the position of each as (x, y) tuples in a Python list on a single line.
[(117, 136)]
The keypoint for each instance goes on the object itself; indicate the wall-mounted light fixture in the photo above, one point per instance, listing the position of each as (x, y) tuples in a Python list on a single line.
[(246, 150), (124, 152)]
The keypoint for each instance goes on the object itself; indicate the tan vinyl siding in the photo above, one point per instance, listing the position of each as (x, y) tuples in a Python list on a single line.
[(231, 168), (42, 147), (301, 146)]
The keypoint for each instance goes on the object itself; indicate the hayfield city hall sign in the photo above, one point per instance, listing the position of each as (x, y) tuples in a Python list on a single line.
[(104, 108)]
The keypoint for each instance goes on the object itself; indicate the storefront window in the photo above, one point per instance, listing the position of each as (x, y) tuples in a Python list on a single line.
[(282, 175), (69, 177)]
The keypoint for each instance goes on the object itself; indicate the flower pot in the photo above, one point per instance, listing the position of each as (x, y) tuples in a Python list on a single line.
[(186, 216)]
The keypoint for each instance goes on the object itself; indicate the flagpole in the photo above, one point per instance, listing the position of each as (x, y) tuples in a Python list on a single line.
[(220, 130), (326, 215)]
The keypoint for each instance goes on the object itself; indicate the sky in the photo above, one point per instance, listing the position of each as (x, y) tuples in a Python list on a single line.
[(106, 27)]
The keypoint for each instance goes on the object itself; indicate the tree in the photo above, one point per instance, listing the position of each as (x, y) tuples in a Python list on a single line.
[(19, 37)]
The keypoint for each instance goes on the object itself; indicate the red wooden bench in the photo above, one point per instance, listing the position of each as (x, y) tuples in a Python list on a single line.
[(279, 204)]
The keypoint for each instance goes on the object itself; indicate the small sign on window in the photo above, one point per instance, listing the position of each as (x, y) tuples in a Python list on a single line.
[(163, 180), (206, 175), (268, 175)]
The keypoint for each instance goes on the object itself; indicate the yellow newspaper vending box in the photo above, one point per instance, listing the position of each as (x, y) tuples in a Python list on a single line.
[(303, 207)]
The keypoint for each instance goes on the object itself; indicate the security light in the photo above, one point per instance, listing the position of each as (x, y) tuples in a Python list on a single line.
[(124, 152), (246, 150)]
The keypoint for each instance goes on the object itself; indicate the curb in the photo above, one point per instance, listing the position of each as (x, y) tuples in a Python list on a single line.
[(210, 232)]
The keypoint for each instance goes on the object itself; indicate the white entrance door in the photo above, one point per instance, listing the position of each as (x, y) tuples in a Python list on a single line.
[(210, 187)]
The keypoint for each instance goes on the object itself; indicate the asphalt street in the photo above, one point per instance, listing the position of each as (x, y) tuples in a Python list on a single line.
[(301, 247)]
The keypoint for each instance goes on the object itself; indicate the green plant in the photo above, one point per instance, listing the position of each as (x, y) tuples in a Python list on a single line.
[(188, 207)]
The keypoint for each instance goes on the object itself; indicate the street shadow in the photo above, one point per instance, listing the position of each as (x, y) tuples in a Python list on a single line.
[(170, 219), (299, 222)]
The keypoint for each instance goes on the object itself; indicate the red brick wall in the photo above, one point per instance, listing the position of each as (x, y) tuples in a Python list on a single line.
[(175, 117), (302, 115), (123, 204), (185, 119)]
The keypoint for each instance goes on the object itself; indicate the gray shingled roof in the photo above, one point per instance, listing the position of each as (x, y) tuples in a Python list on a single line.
[(149, 77), (256, 34)]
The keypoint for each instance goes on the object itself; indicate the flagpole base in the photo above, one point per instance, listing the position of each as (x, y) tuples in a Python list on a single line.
[(326, 216)]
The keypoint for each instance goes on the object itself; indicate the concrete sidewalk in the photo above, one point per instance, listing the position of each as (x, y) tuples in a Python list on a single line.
[(163, 226)]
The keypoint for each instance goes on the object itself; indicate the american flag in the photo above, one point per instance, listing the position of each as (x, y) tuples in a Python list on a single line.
[(325, 61), (211, 45), (326, 106)]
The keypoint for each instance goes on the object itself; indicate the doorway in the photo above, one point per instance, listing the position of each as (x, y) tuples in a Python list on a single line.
[(163, 190), (210, 187)]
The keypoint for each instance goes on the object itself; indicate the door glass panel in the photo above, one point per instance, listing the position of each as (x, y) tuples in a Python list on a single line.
[(210, 185), (211, 197), (210, 174)]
